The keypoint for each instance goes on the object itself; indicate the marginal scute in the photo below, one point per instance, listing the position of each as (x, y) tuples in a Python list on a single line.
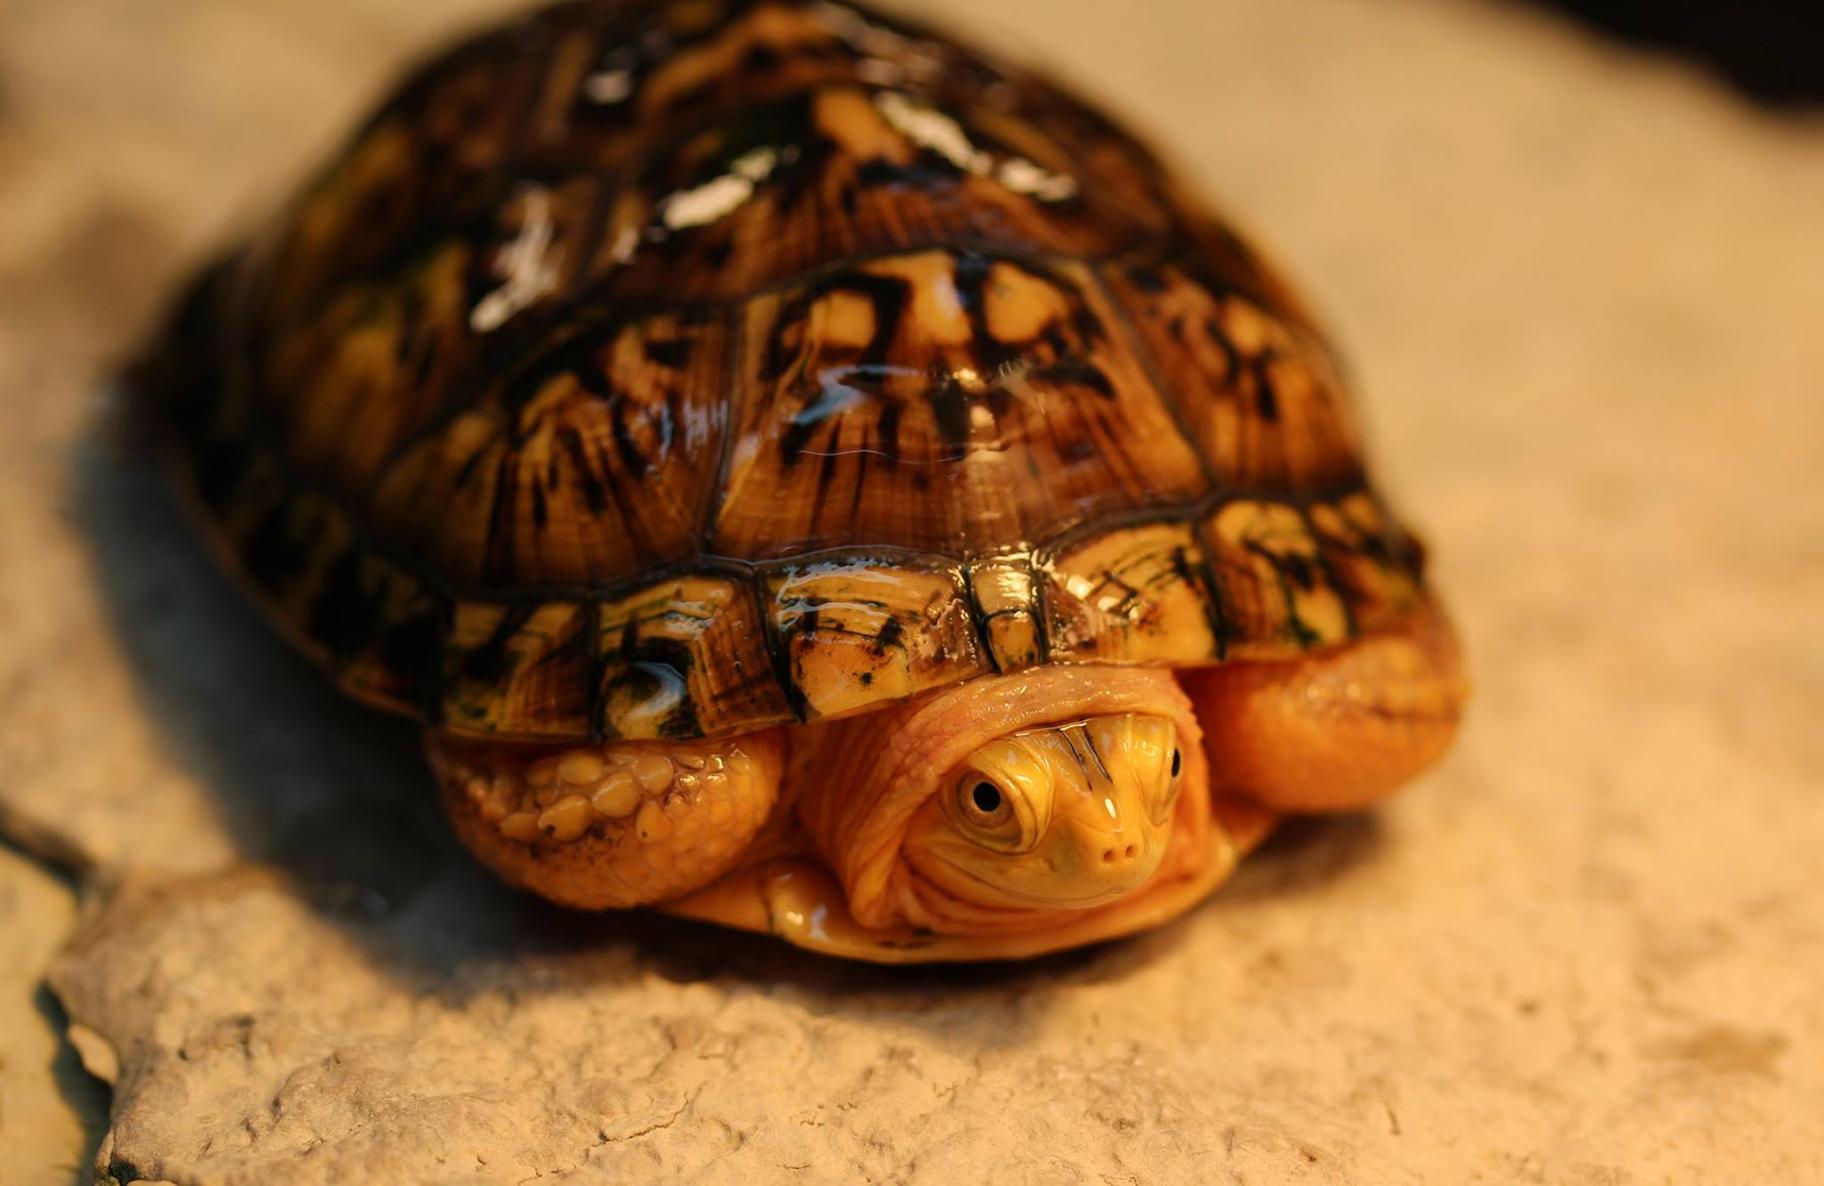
[(1276, 596), (1374, 568), (244, 487), (383, 629), (862, 633), (1006, 597), (517, 671), (291, 551), (686, 658), (1133, 595)]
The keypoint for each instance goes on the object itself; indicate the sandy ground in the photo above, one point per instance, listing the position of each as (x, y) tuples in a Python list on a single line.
[(1580, 289)]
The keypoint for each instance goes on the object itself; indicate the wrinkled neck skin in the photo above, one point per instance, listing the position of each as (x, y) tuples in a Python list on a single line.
[(867, 789)]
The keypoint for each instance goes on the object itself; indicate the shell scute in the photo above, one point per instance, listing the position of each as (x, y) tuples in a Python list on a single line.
[(383, 628), (858, 633), (945, 401), (1375, 568), (429, 159), (588, 464), (1277, 596), (518, 670), (1133, 595), (1005, 589), (1258, 390), (687, 657)]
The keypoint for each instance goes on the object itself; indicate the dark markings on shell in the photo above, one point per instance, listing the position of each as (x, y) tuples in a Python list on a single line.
[(672, 291), (487, 663)]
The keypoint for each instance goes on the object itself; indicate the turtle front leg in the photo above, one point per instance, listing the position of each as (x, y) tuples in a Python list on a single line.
[(1337, 730), (614, 825)]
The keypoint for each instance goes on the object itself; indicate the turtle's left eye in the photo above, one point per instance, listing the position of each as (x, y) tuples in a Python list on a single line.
[(1166, 797)]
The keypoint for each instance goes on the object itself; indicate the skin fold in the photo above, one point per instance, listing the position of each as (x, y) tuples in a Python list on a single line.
[(999, 818)]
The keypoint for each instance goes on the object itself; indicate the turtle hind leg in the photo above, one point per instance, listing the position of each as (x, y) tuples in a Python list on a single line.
[(606, 826), (1335, 730)]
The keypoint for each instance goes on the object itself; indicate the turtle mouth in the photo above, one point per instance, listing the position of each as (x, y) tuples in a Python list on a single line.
[(1051, 901)]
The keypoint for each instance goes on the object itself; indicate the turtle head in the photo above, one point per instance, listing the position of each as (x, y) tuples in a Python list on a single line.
[(1059, 817)]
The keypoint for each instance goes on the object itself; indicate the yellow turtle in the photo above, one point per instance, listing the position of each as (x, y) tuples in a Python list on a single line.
[(808, 476)]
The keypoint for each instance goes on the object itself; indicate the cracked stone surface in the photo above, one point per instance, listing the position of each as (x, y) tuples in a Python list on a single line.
[(1580, 288)]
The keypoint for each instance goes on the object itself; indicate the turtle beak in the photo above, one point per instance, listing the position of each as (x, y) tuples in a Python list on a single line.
[(1111, 831), (1116, 848)]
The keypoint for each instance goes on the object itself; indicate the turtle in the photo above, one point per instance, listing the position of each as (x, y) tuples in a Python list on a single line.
[(811, 476)]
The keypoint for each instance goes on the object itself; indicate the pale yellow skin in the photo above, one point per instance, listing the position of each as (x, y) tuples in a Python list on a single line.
[(1032, 837), (1070, 816)]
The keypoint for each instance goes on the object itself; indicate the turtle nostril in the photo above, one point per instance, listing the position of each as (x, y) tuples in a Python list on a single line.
[(1132, 849), (1108, 855)]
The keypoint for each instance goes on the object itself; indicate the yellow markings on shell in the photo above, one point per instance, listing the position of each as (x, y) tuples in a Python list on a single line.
[(543, 681), (1004, 591), (1381, 585), (1132, 596), (847, 118), (880, 634), (521, 825), (843, 318), (778, 29), (1258, 548), (714, 619), (1019, 305), (1246, 326), (937, 307)]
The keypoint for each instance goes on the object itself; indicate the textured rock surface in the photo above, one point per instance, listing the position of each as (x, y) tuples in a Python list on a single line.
[(1581, 290), (45, 1099)]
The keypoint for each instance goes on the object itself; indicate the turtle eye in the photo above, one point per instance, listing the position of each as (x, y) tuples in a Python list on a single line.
[(984, 805), (1166, 798), (991, 814)]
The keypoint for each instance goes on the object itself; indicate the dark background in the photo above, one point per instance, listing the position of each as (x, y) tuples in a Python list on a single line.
[(1771, 49)]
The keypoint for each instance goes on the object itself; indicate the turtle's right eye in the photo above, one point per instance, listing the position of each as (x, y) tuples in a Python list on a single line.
[(992, 815), (988, 802), (984, 806), (1001, 796)]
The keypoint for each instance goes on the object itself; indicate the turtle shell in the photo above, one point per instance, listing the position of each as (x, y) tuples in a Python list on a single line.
[(679, 369)]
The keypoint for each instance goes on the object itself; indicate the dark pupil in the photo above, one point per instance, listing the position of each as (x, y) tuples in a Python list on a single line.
[(987, 798), (1175, 760)]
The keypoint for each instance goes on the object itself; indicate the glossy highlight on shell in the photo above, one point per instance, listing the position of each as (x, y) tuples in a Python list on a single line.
[(675, 370), (808, 477)]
